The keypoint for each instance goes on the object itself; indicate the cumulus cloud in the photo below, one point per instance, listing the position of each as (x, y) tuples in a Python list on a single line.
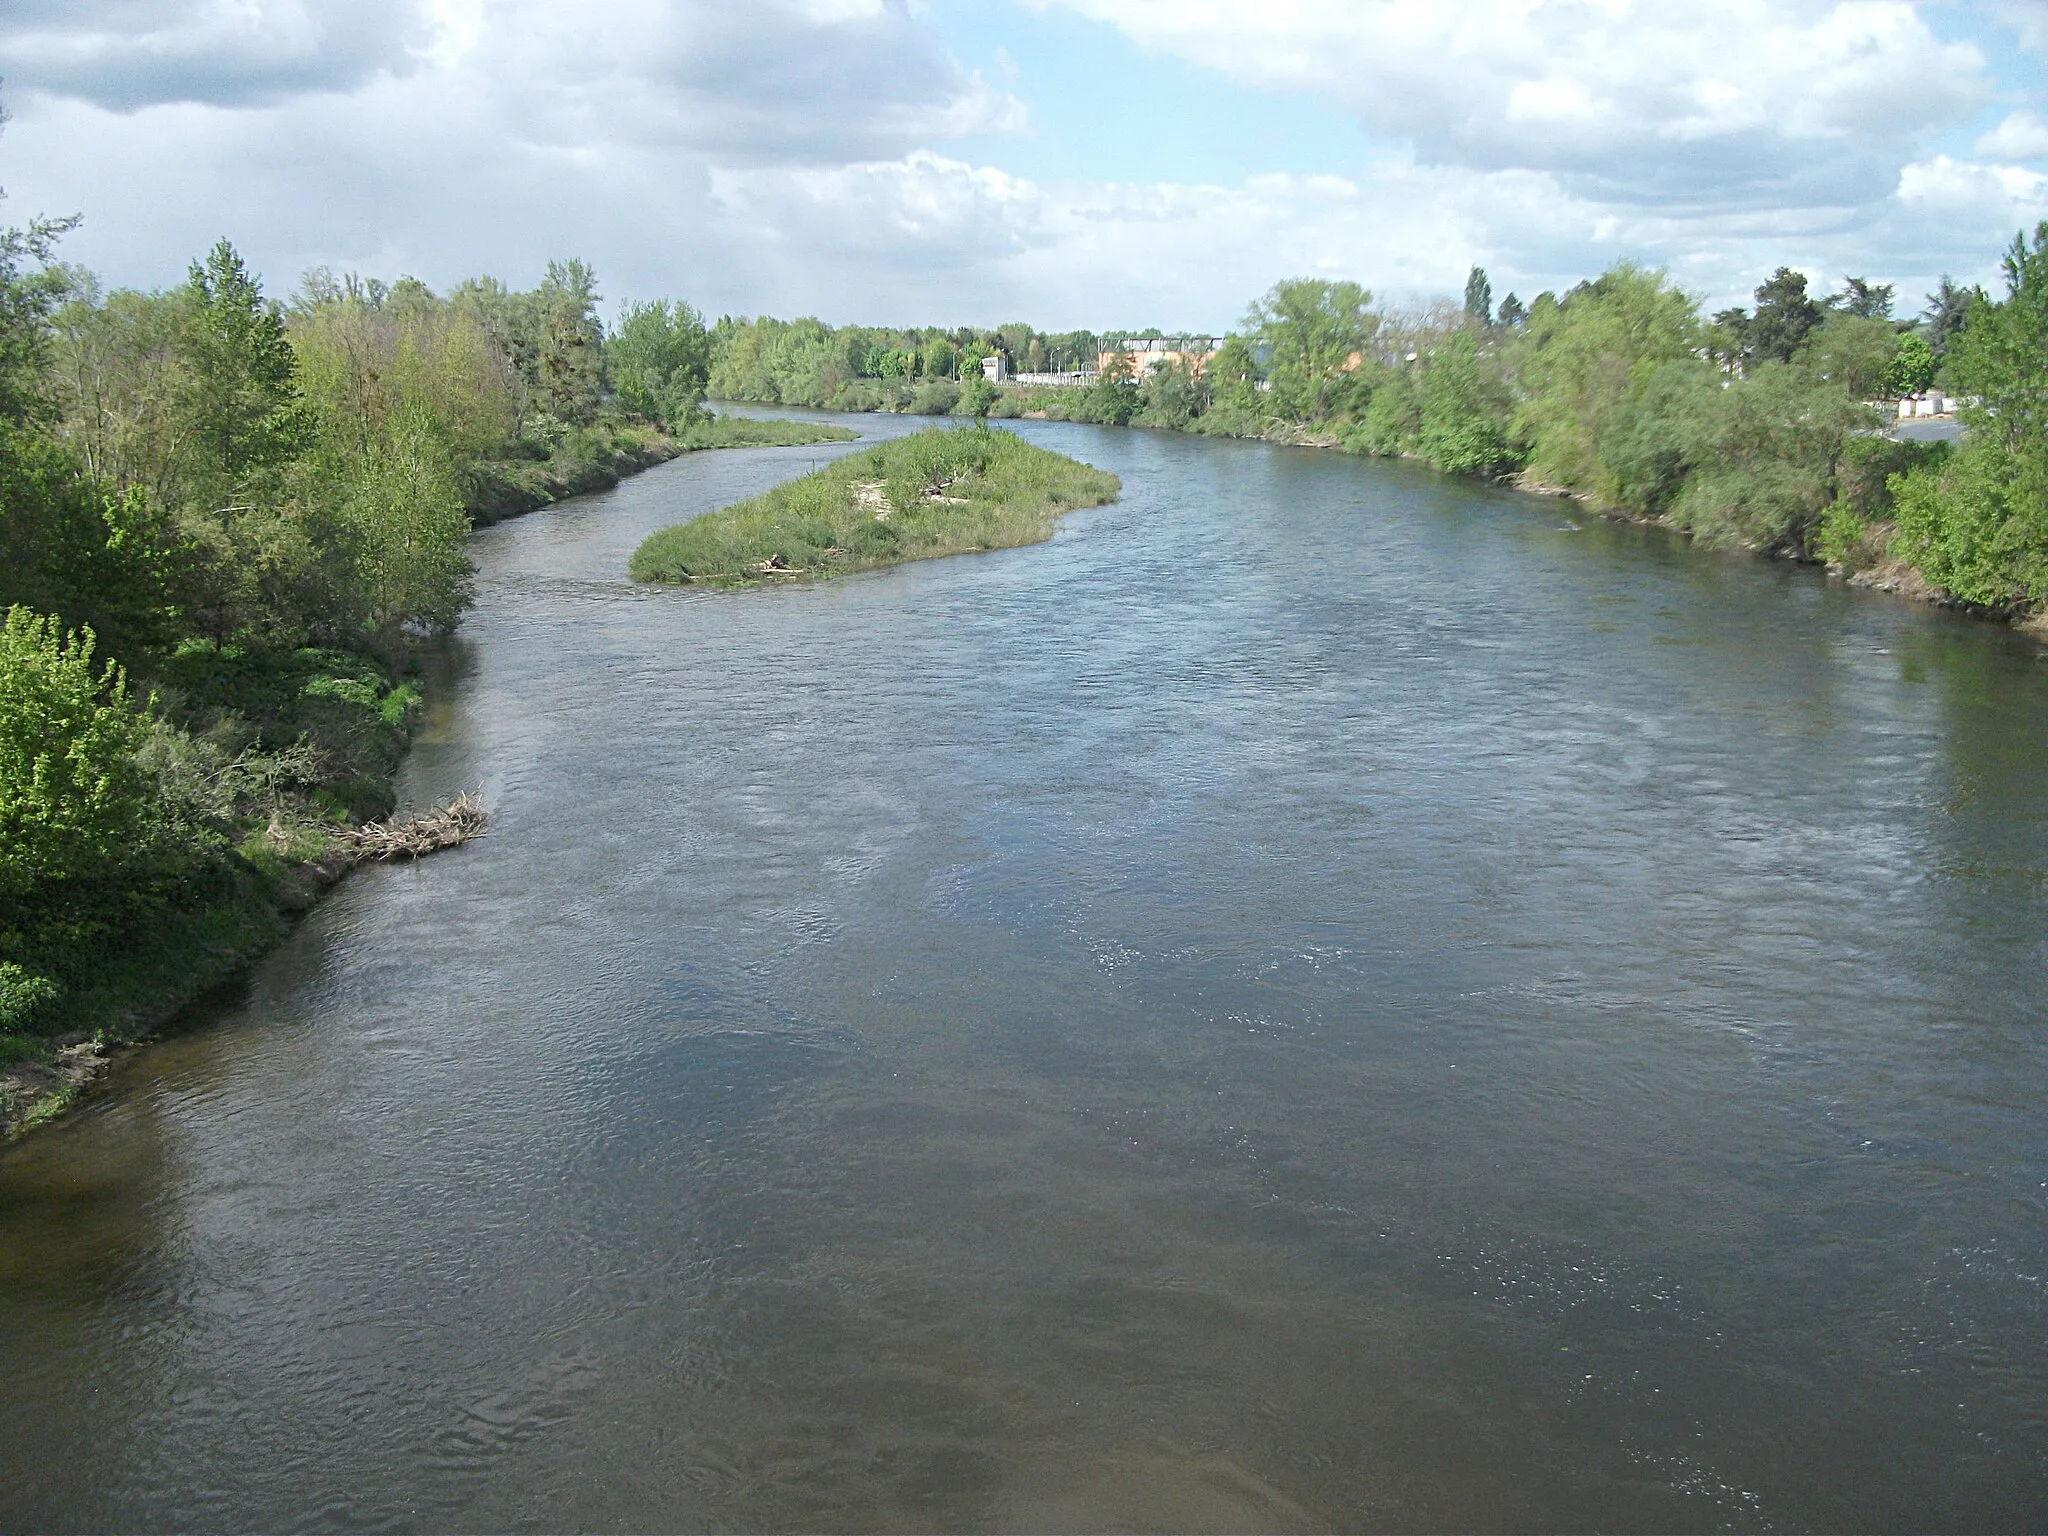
[(1075, 253), (126, 54), (1710, 104), (2022, 136), (783, 155)]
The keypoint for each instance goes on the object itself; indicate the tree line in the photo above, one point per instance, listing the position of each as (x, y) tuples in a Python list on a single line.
[(1754, 426), (227, 521)]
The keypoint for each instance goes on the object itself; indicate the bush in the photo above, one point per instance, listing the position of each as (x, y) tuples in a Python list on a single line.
[(935, 397), (1393, 420), (1464, 412), (23, 997), (87, 840), (1649, 449), (73, 803), (976, 397), (1768, 454), (1968, 530)]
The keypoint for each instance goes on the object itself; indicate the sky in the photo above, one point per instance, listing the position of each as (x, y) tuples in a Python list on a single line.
[(1072, 163)]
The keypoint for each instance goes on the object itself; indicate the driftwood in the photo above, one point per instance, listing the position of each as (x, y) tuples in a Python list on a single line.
[(419, 835)]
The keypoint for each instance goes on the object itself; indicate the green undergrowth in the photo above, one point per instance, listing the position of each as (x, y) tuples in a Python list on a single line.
[(936, 492), (219, 776)]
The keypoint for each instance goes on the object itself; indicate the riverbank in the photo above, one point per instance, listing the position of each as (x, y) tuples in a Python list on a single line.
[(934, 493), (503, 488), (1854, 543), (328, 731)]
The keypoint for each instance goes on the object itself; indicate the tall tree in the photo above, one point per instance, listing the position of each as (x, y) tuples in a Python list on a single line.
[(660, 361), (243, 390), (1318, 335), (1479, 296), (1947, 312), (1863, 299), (1583, 359), (1784, 315)]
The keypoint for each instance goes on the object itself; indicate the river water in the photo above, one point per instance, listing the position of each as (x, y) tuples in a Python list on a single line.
[(1324, 997)]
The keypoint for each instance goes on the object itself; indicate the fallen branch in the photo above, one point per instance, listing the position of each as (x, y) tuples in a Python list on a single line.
[(419, 835)]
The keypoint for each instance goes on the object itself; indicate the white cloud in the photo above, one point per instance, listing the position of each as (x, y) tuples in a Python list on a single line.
[(779, 157), (2028, 20), (1708, 103), (130, 53), (2022, 136)]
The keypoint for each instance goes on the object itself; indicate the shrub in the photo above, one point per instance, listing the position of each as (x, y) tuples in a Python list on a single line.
[(23, 995), (73, 803), (935, 397), (87, 840), (1392, 422), (1971, 530)]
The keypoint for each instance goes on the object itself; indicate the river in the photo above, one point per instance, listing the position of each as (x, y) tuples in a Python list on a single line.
[(1324, 997)]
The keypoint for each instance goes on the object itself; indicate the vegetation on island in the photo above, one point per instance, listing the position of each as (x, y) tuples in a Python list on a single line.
[(936, 492)]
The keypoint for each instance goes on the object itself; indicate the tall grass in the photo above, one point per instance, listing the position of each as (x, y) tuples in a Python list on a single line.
[(936, 492)]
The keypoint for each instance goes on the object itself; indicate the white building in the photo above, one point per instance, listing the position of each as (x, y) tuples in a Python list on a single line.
[(995, 369)]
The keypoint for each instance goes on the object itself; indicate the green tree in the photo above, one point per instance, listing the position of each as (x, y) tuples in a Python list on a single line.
[(1912, 366), (660, 361), (405, 520), (1947, 312), (569, 360), (1863, 299), (1172, 396), (1852, 350), (242, 398), (1114, 396), (1465, 411), (85, 835), (1478, 297), (1582, 360), (976, 396), (1767, 456), (1784, 315), (1318, 336), (68, 546), (1233, 377)]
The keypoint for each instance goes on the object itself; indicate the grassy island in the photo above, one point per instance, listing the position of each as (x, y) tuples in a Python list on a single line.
[(746, 432), (936, 492)]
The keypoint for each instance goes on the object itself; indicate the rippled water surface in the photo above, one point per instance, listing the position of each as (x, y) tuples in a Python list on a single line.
[(1322, 998)]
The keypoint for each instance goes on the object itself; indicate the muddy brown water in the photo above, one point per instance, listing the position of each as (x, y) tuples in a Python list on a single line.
[(1323, 998)]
